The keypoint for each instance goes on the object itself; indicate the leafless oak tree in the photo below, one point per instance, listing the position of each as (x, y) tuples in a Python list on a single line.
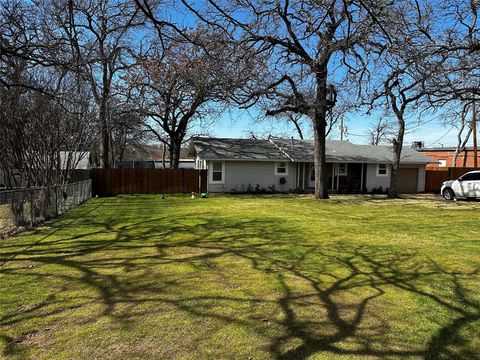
[(180, 83), (99, 34), (304, 42)]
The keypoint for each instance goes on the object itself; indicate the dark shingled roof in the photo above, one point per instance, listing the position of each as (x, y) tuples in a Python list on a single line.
[(298, 150), (237, 149)]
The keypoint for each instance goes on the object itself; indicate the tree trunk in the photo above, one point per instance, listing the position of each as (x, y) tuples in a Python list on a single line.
[(104, 133), (164, 154), (319, 132), (397, 152), (175, 146), (105, 145)]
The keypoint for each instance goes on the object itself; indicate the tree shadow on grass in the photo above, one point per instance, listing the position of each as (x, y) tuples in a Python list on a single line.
[(327, 298)]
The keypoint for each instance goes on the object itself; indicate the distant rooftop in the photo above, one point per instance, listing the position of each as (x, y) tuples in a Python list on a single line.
[(277, 149), (149, 152), (447, 148)]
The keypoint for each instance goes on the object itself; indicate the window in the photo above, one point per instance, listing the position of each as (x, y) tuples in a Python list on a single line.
[(442, 163), (474, 176), (312, 172), (382, 170), (217, 172), (281, 168), (342, 169)]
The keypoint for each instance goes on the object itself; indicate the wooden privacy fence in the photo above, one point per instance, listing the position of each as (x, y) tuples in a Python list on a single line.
[(435, 177), (147, 181)]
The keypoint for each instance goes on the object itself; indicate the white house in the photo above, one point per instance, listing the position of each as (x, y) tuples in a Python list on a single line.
[(284, 165), (78, 160)]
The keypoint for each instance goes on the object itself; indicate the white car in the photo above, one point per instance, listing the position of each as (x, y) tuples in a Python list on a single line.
[(467, 186)]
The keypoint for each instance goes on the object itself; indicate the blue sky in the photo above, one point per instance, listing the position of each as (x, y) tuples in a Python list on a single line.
[(238, 123)]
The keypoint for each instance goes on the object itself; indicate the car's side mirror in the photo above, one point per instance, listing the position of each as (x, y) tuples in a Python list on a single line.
[(460, 179)]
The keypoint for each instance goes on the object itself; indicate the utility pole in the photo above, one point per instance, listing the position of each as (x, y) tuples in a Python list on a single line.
[(474, 130)]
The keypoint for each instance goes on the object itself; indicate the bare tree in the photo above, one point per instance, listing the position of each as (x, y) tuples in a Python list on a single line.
[(181, 82), (301, 124), (99, 35), (303, 41), (460, 120), (405, 63), (380, 131), (459, 77), (44, 136), (45, 108), (127, 130)]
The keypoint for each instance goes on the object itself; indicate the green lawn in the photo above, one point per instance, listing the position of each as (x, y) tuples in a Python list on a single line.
[(245, 277)]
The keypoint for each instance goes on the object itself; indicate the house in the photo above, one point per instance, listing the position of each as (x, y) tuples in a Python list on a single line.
[(444, 157), (76, 160), (152, 157), (284, 164)]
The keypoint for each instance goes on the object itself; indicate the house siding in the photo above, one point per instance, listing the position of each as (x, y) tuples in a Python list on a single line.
[(374, 181), (239, 174)]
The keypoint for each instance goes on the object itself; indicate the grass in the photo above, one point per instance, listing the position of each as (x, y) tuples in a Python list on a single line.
[(245, 277)]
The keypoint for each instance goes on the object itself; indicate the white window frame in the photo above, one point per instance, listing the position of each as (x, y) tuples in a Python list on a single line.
[(338, 169), (277, 165), (210, 177), (442, 163), (387, 170)]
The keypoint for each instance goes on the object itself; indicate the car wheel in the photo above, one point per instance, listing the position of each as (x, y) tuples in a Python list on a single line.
[(448, 194)]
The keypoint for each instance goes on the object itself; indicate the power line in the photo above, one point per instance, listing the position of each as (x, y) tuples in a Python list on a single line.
[(441, 137)]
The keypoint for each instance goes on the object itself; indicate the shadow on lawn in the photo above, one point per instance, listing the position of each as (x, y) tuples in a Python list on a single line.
[(324, 293)]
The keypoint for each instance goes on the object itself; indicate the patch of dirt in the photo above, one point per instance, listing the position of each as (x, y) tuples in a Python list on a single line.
[(23, 338)]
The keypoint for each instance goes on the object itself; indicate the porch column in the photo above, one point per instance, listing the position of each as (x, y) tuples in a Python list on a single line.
[(297, 175), (361, 179), (303, 177)]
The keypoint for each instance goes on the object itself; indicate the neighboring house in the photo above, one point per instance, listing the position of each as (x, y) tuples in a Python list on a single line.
[(151, 157), (444, 157), (241, 164), (78, 160)]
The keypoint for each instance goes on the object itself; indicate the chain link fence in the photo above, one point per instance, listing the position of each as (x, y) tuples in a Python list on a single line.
[(27, 207)]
